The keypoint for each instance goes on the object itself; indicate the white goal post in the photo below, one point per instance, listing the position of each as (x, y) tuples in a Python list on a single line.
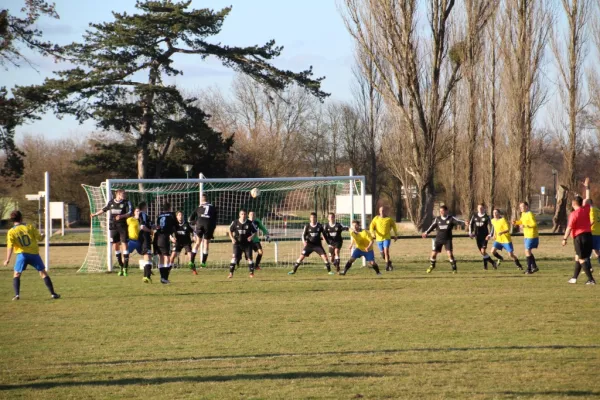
[(283, 205)]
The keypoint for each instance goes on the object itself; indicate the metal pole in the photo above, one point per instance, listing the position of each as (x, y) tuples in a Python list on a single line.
[(201, 176), (351, 196), (109, 260), (47, 220), (363, 216), (315, 175)]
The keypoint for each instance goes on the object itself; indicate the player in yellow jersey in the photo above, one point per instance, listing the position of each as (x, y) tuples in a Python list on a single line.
[(23, 240), (381, 227), (595, 221), (501, 234), (362, 241), (530, 232)]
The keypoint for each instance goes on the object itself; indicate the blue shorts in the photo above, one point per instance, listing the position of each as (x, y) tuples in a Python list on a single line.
[(134, 245), (384, 244), (25, 259), (504, 246), (368, 255), (596, 242), (532, 243)]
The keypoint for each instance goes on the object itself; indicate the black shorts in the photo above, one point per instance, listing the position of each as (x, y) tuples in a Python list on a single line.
[(162, 244), (245, 249), (312, 248), (205, 231), (438, 244), (119, 234), (146, 242), (481, 242), (182, 246), (335, 245), (256, 246), (584, 245)]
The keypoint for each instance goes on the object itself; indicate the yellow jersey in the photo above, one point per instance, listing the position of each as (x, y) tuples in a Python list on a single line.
[(527, 218), (133, 228), (24, 239), (595, 220), (501, 225), (362, 239), (382, 227)]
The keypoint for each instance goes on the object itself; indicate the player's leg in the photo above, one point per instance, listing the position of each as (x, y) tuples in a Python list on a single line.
[(36, 262), (20, 266), (248, 254), (381, 249), (437, 248), (147, 252), (207, 237), (586, 242), (370, 258), (115, 239), (259, 253), (511, 252), (349, 263), (174, 254), (596, 247), (124, 238), (497, 246), (305, 253), (482, 247), (327, 263), (386, 253), (449, 251), (195, 246), (336, 258), (235, 257)]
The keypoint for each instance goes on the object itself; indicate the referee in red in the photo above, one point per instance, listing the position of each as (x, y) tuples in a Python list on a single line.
[(581, 229)]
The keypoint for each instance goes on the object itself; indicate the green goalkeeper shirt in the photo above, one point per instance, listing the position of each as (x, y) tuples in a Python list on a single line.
[(259, 227)]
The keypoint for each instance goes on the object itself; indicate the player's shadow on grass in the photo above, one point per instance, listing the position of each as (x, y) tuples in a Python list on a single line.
[(337, 353), (188, 379), (559, 393)]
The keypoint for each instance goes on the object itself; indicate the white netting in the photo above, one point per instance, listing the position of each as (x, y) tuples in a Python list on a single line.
[(283, 206)]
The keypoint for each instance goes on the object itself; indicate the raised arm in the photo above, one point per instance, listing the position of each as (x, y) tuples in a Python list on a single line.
[(586, 183)]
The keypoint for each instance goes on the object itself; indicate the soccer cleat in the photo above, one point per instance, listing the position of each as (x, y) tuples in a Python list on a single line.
[(454, 271), (291, 272), (230, 276), (520, 268), (120, 273), (194, 272), (251, 275), (125, 272), (495, 264), (257, 268), (430, 269), (16, 298), (55, 296), (485, 268), (379, 274), (343, 273), (528, 272), (592, 282), (203, 265), (331, 273), (498, 262), (164, 281), (191, 265), (534, 270), (572, 280), (147, 280)]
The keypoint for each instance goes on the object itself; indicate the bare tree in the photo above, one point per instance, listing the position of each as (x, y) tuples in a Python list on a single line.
[(570, 52), (416, 81)]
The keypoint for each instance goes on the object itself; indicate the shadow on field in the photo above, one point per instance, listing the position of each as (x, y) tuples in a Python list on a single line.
[(563, 393), (336, 353), (188, 379)]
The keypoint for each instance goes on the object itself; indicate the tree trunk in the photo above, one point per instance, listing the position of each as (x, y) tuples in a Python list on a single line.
[(559, 220), (146, 125)]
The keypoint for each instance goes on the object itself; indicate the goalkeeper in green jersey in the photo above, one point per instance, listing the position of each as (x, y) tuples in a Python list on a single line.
[(256, 246)]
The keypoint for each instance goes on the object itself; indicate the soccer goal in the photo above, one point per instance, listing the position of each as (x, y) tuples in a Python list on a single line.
[(283, 205)]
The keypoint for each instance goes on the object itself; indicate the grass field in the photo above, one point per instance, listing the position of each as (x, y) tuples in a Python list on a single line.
[(478, 334)]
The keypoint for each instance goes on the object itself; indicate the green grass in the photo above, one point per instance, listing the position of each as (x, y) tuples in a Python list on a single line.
[(478, 334), (69, 237)]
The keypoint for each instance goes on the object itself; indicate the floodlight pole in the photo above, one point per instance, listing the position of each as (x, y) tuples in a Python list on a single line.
[(47, 220)]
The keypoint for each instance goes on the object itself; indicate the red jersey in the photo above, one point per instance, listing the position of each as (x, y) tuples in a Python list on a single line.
[(579, 221)]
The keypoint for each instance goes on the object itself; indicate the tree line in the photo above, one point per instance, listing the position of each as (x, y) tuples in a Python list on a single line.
[(446, 105)]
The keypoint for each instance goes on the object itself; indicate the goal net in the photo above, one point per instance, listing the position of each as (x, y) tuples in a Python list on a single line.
[(283, 205)]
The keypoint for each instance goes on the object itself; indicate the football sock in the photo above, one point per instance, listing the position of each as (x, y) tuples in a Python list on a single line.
[(147, 270), (587, 269), (529, 263), (119, 258), (577, 270), (328, 266), (389, 264), (232, 266), (376, 268), (167, 272), (518, 264), (193, 256), (296, 265), (533, 262), (17, 285), (48, 283), (347, 266), (453, 264), (251, 267), (499, 257), (258, 258), (432, 263), (204, 258), (125, 259)]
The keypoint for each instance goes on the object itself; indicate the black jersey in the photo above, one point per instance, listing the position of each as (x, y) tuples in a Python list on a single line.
[(312, 234), (444, 227), (480, 225), (333, 234), (242, 230), (144, 220), (166, 223), (183, 233), (122, 208), (205, 215)]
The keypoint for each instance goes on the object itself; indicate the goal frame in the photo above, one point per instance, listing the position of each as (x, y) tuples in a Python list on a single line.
[(201, 181)]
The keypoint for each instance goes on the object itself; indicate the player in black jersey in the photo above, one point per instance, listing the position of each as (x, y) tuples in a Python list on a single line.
[(311, 238), (120, 209), (443, 238), (145, 239), (165, 230), (333, 237), (183, 240), (241, 233), (205, 221), (480, 227)]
